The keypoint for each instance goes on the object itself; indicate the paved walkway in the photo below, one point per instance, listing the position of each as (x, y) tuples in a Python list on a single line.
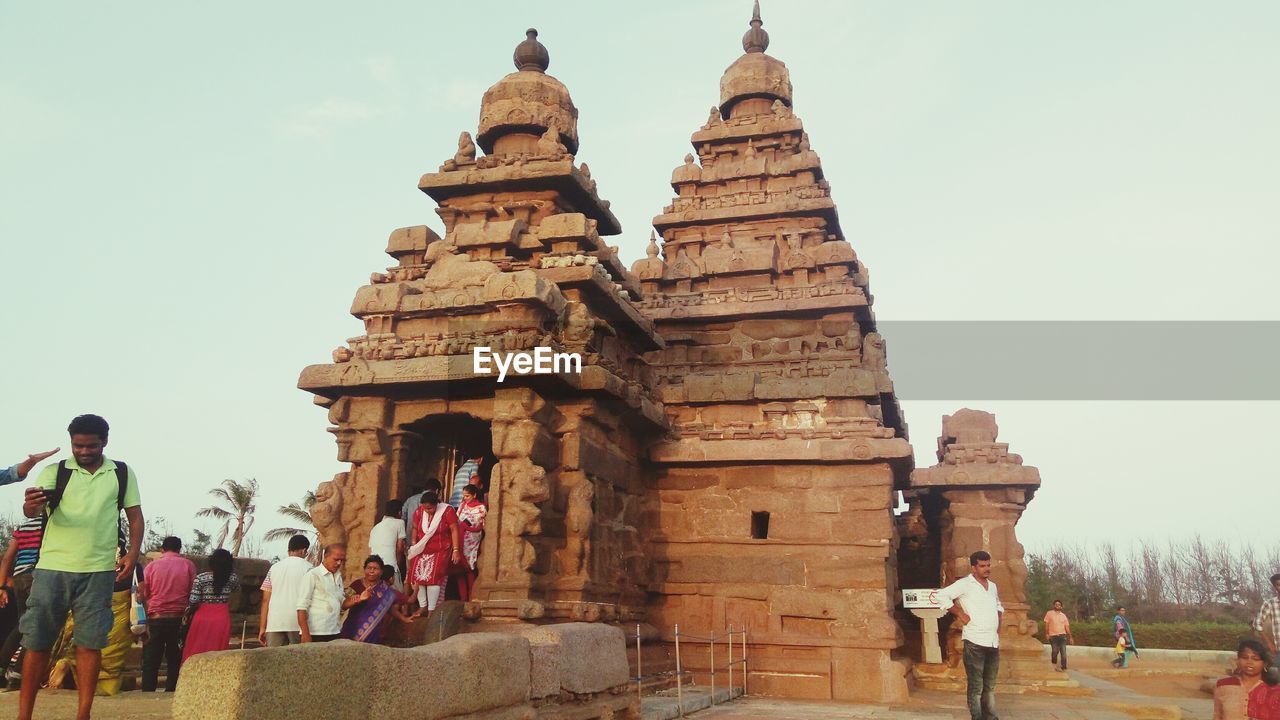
[(924, 705), (1110, 702)]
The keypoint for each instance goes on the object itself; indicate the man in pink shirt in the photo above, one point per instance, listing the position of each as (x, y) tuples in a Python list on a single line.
[(1058, 629), (166, 587)]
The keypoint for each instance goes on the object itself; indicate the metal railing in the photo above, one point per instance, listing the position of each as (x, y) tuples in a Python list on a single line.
[(727, 640)]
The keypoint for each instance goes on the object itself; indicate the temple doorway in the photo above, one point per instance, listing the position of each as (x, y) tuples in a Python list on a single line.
[(447, 443), (450, 450)]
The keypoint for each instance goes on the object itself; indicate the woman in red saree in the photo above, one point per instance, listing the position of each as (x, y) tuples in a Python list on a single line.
[(435, 546), (372, 603)]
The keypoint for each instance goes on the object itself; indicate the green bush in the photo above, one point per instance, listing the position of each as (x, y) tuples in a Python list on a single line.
[(1170, 636)]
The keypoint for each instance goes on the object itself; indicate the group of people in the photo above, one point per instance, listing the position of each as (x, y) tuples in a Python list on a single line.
[(71, 585), (1250, 693), (418, 546)]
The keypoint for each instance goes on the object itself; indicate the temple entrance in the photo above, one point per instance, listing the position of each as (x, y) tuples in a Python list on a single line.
[(447, 443), (452, 451)]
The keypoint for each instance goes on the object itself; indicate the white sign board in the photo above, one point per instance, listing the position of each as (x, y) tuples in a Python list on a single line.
[(920, 598)]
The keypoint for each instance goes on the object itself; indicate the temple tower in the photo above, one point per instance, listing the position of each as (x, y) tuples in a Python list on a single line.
[(774, 496), (521, 265)]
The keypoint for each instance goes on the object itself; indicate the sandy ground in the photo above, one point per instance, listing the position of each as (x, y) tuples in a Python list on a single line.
[(61, 705), (1177, 679)]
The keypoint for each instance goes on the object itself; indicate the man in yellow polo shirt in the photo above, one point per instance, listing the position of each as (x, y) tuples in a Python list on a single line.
[(78, 568)]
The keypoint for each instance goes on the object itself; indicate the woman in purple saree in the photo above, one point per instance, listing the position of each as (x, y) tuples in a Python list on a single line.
[(372, 602)]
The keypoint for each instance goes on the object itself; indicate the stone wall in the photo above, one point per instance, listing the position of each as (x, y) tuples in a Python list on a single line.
[(573, 671)]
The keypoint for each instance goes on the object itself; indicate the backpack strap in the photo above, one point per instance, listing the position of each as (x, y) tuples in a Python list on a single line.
[(122, 477), (60, 484)]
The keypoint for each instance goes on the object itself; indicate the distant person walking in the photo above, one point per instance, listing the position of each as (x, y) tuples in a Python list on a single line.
[(1121, 626), (211, 596), (166, 590), (1057, 627), (278, 622), (1267, 623), (976, 602)]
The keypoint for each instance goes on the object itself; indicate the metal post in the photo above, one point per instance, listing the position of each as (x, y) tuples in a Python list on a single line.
[(639, 668), (712, 645), (746, 671), (679, 677), (730, 662)]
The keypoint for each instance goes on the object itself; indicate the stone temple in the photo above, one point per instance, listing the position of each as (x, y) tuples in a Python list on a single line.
[(731, 451)]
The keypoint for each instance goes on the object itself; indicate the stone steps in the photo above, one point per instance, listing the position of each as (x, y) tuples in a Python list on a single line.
[(693, 698)]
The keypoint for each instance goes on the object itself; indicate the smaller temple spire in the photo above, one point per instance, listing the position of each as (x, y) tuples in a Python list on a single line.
[(531, 54), (756, 40)]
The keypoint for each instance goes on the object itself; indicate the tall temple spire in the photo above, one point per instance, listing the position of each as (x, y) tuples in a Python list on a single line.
[(756, 40)]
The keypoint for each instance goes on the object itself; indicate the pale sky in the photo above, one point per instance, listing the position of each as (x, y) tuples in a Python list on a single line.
[(191, 195)]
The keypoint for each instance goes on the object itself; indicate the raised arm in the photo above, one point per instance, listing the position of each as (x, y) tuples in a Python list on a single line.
[(19, 471)]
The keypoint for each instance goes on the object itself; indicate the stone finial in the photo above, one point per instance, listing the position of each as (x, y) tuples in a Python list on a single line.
[(756, 40), (652, 250), (533, 55)]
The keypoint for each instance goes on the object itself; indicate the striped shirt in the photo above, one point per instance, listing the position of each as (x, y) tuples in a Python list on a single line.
[(1268, 620), (28, 536)]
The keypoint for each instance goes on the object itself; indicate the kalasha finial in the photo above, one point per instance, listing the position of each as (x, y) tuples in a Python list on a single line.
[(531, 54), (652, 250), (756, 40)]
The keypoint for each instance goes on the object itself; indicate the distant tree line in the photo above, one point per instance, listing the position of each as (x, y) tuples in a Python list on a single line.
[(1189, 580)]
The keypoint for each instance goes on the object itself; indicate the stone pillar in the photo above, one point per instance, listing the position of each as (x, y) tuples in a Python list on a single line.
[(982, 490), (526, 450), (930, 648), (347, 507)]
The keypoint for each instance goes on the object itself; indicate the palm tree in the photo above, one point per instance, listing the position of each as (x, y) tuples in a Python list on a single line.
[(300, 516), (235, 504)]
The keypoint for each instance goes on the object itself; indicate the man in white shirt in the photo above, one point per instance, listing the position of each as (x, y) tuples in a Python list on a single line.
[(386, 539), (278, 623), (320, 601), (974, 600)]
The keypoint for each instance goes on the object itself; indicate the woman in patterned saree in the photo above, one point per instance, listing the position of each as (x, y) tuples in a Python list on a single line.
[(471, 518), (372, 601)]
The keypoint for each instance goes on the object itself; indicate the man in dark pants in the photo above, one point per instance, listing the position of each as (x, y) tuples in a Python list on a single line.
[(1057, 627), (974, 600), (166, 588)]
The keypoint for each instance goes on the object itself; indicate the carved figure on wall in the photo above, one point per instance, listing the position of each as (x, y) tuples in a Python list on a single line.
[(549, 144), (873, 356), (326, 512), (452, 269), (466, 150), (578, 520)]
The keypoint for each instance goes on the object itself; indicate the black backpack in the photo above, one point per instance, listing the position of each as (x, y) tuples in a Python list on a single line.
[(64, 477)]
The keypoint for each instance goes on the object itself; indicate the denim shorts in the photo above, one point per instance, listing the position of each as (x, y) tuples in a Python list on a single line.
[(53, 593)]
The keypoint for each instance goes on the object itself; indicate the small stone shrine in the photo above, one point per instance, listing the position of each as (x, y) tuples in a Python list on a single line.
[(731, 451)]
